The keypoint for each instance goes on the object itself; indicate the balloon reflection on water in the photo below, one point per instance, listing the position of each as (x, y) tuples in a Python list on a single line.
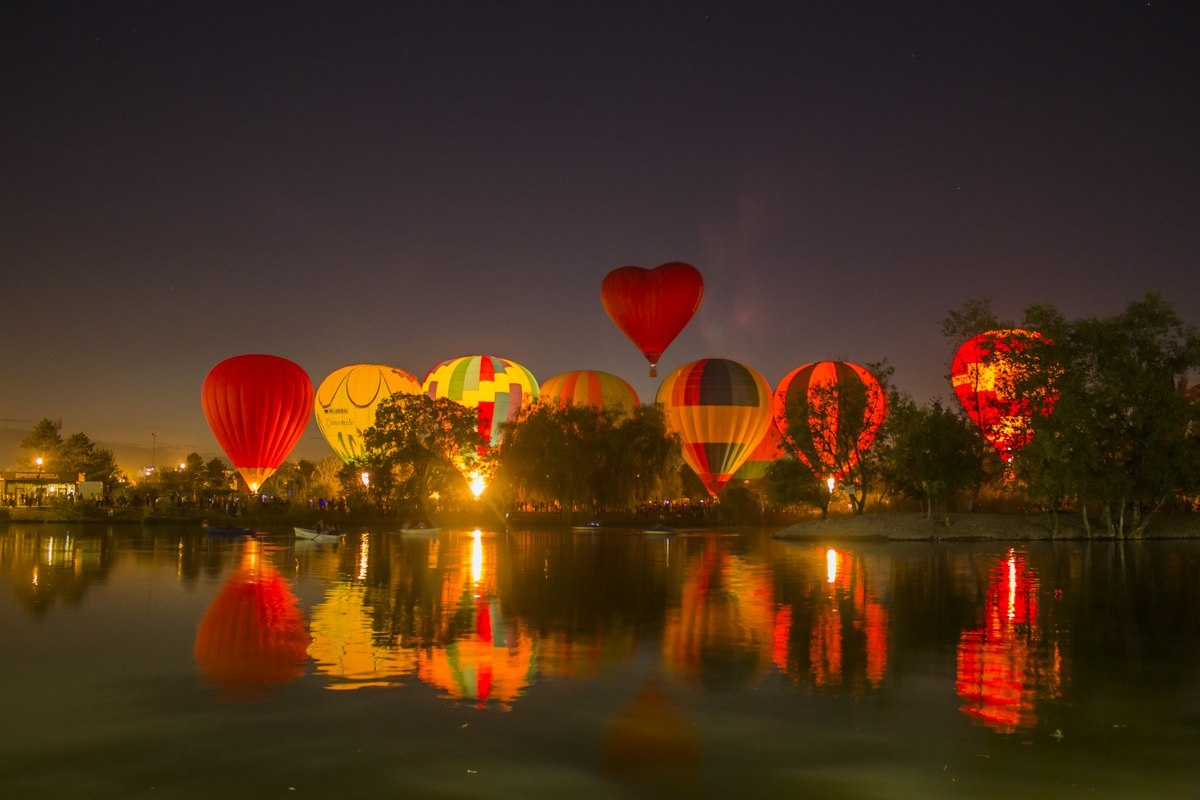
[(1004, 667), (480, 655), (836, 635), (453, 635), (253, 636), (723, 626)]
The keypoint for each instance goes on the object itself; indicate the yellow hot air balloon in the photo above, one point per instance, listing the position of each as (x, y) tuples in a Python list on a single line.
[(347, 399)]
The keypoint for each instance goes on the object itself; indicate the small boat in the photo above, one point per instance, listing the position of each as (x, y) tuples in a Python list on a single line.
[(315, 535), (660, 530), (216, 530), (420, 528)]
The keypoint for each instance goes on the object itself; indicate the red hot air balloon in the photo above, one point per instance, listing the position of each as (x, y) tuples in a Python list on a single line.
[(839, 429), (721, 410), (257, 407), (984, 375), (651, 306)]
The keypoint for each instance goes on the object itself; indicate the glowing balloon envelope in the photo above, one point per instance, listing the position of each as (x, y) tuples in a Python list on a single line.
[(651, 306), (984, 376), (591, 388), (257, 407), (721, 410), (497, 387), (837, 431), (347, 399)]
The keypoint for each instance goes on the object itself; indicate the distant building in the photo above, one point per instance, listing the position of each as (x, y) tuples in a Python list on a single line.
[(35, 487)]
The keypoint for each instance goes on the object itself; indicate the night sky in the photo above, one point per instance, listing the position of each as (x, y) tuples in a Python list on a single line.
[(402, 183)]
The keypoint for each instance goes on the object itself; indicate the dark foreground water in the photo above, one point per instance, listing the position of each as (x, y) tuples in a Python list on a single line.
[(163, 663)]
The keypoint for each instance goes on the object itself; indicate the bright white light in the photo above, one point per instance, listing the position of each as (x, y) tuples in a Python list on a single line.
[(477, 484), (831, 559), (830, 483), (476, 556)]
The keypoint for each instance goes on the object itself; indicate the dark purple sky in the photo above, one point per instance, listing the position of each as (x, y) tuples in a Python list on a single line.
[(402, 183)]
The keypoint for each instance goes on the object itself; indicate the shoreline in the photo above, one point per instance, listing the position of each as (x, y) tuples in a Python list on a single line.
[(976, 526)]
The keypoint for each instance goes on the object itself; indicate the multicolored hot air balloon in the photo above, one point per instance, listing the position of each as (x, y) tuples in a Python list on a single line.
[(257, 407), (651, 306), (592, 388), (846, 407), (497, 387), (347, 399), (984, 375), (721, 410)]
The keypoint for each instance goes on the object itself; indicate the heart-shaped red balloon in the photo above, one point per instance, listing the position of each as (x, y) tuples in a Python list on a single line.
[(651, 306)]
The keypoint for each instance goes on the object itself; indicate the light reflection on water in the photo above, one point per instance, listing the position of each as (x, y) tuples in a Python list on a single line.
[(604, 663)]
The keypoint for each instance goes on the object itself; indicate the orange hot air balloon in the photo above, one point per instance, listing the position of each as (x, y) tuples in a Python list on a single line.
[(592, 388), (721, 410), (253, 635), (347, 399), (257, 407), (651, 306), (839, 429), (984, 375)]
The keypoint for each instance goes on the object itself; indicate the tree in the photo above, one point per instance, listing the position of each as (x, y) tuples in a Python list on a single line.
[(1121, 440), (419, 445), (790, 482), (929, 453), (75, 455), (44, 442), (78, 455), (583, 457)]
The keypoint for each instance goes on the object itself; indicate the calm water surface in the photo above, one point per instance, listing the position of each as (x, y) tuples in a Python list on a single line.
[(158, 662)]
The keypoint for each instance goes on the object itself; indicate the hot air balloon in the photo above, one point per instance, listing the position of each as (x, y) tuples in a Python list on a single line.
[(846, 407), (984, 376), (769, 450), (347, 399), (651, 306), (496, 387), (721, 410), (589, 387), (257, 407)]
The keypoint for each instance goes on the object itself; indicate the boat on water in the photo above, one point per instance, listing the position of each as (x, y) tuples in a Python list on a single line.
[(660, 530), (316, 534)]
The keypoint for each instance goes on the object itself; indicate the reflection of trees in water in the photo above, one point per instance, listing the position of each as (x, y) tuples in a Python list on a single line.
[(721, 632)]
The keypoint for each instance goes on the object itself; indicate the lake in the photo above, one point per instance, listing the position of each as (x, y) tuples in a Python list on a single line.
[(161, 662)]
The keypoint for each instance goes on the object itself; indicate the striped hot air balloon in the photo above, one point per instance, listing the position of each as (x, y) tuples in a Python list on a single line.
[(721, 410), (838, 431), (591, 388)]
